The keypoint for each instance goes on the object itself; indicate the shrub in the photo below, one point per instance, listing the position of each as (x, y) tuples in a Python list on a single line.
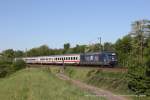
[(137, 79), (4, 68), (3, 72), (19, 64)]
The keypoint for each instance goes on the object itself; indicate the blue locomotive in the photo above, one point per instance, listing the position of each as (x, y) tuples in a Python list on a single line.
[(100, 58)]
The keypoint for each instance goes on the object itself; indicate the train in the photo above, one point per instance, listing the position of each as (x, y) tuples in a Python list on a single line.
[(96, 58)]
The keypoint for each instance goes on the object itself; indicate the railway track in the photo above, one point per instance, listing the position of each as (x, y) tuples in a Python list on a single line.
[(103, 68)]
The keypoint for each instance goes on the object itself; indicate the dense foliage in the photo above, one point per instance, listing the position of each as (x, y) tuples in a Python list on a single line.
[(7, 67)]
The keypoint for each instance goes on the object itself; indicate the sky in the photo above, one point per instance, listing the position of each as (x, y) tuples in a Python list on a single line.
[(25, 24)]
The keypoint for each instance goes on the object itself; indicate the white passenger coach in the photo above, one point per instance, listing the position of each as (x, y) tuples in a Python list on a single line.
[(56, 59)]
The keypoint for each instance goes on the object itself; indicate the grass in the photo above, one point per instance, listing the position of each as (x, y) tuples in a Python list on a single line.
[(39, 84), (117, 82)]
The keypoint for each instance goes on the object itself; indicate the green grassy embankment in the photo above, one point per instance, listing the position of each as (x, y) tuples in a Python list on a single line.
[(40, 84), (114, 81)]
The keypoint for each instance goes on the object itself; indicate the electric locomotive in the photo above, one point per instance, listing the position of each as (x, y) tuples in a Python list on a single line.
[(99, 58)]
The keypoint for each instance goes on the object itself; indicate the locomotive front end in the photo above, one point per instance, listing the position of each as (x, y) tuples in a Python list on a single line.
[(112, 59)]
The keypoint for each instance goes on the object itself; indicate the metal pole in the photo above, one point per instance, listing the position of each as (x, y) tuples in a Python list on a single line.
[(100, 40)]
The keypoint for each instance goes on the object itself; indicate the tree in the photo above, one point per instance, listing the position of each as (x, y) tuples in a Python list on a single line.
[(138, 72), (95, 47), (123, 48), (108, 46), (39, 51), (32, 52), (66, 47), (8, 54), (79, 49), (147, 61), (43, 50), (18, 53)]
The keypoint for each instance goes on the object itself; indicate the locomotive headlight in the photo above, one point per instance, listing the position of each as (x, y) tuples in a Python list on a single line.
[(113, 54)]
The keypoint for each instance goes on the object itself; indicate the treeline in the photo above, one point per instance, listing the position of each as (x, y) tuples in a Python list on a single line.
[(44, 50)]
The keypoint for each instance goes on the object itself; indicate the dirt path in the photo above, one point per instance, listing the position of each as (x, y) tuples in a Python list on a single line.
[(98, 92)]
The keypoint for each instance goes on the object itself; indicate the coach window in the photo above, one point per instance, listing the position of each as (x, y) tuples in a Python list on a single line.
[(76, 58)]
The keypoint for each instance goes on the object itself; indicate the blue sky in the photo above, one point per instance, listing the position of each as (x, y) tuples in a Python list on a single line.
[(31, 23)]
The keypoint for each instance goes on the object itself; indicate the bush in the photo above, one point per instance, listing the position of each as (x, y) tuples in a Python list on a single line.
[(3, 72), (137, 79), (19, 64), (5, 68)]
